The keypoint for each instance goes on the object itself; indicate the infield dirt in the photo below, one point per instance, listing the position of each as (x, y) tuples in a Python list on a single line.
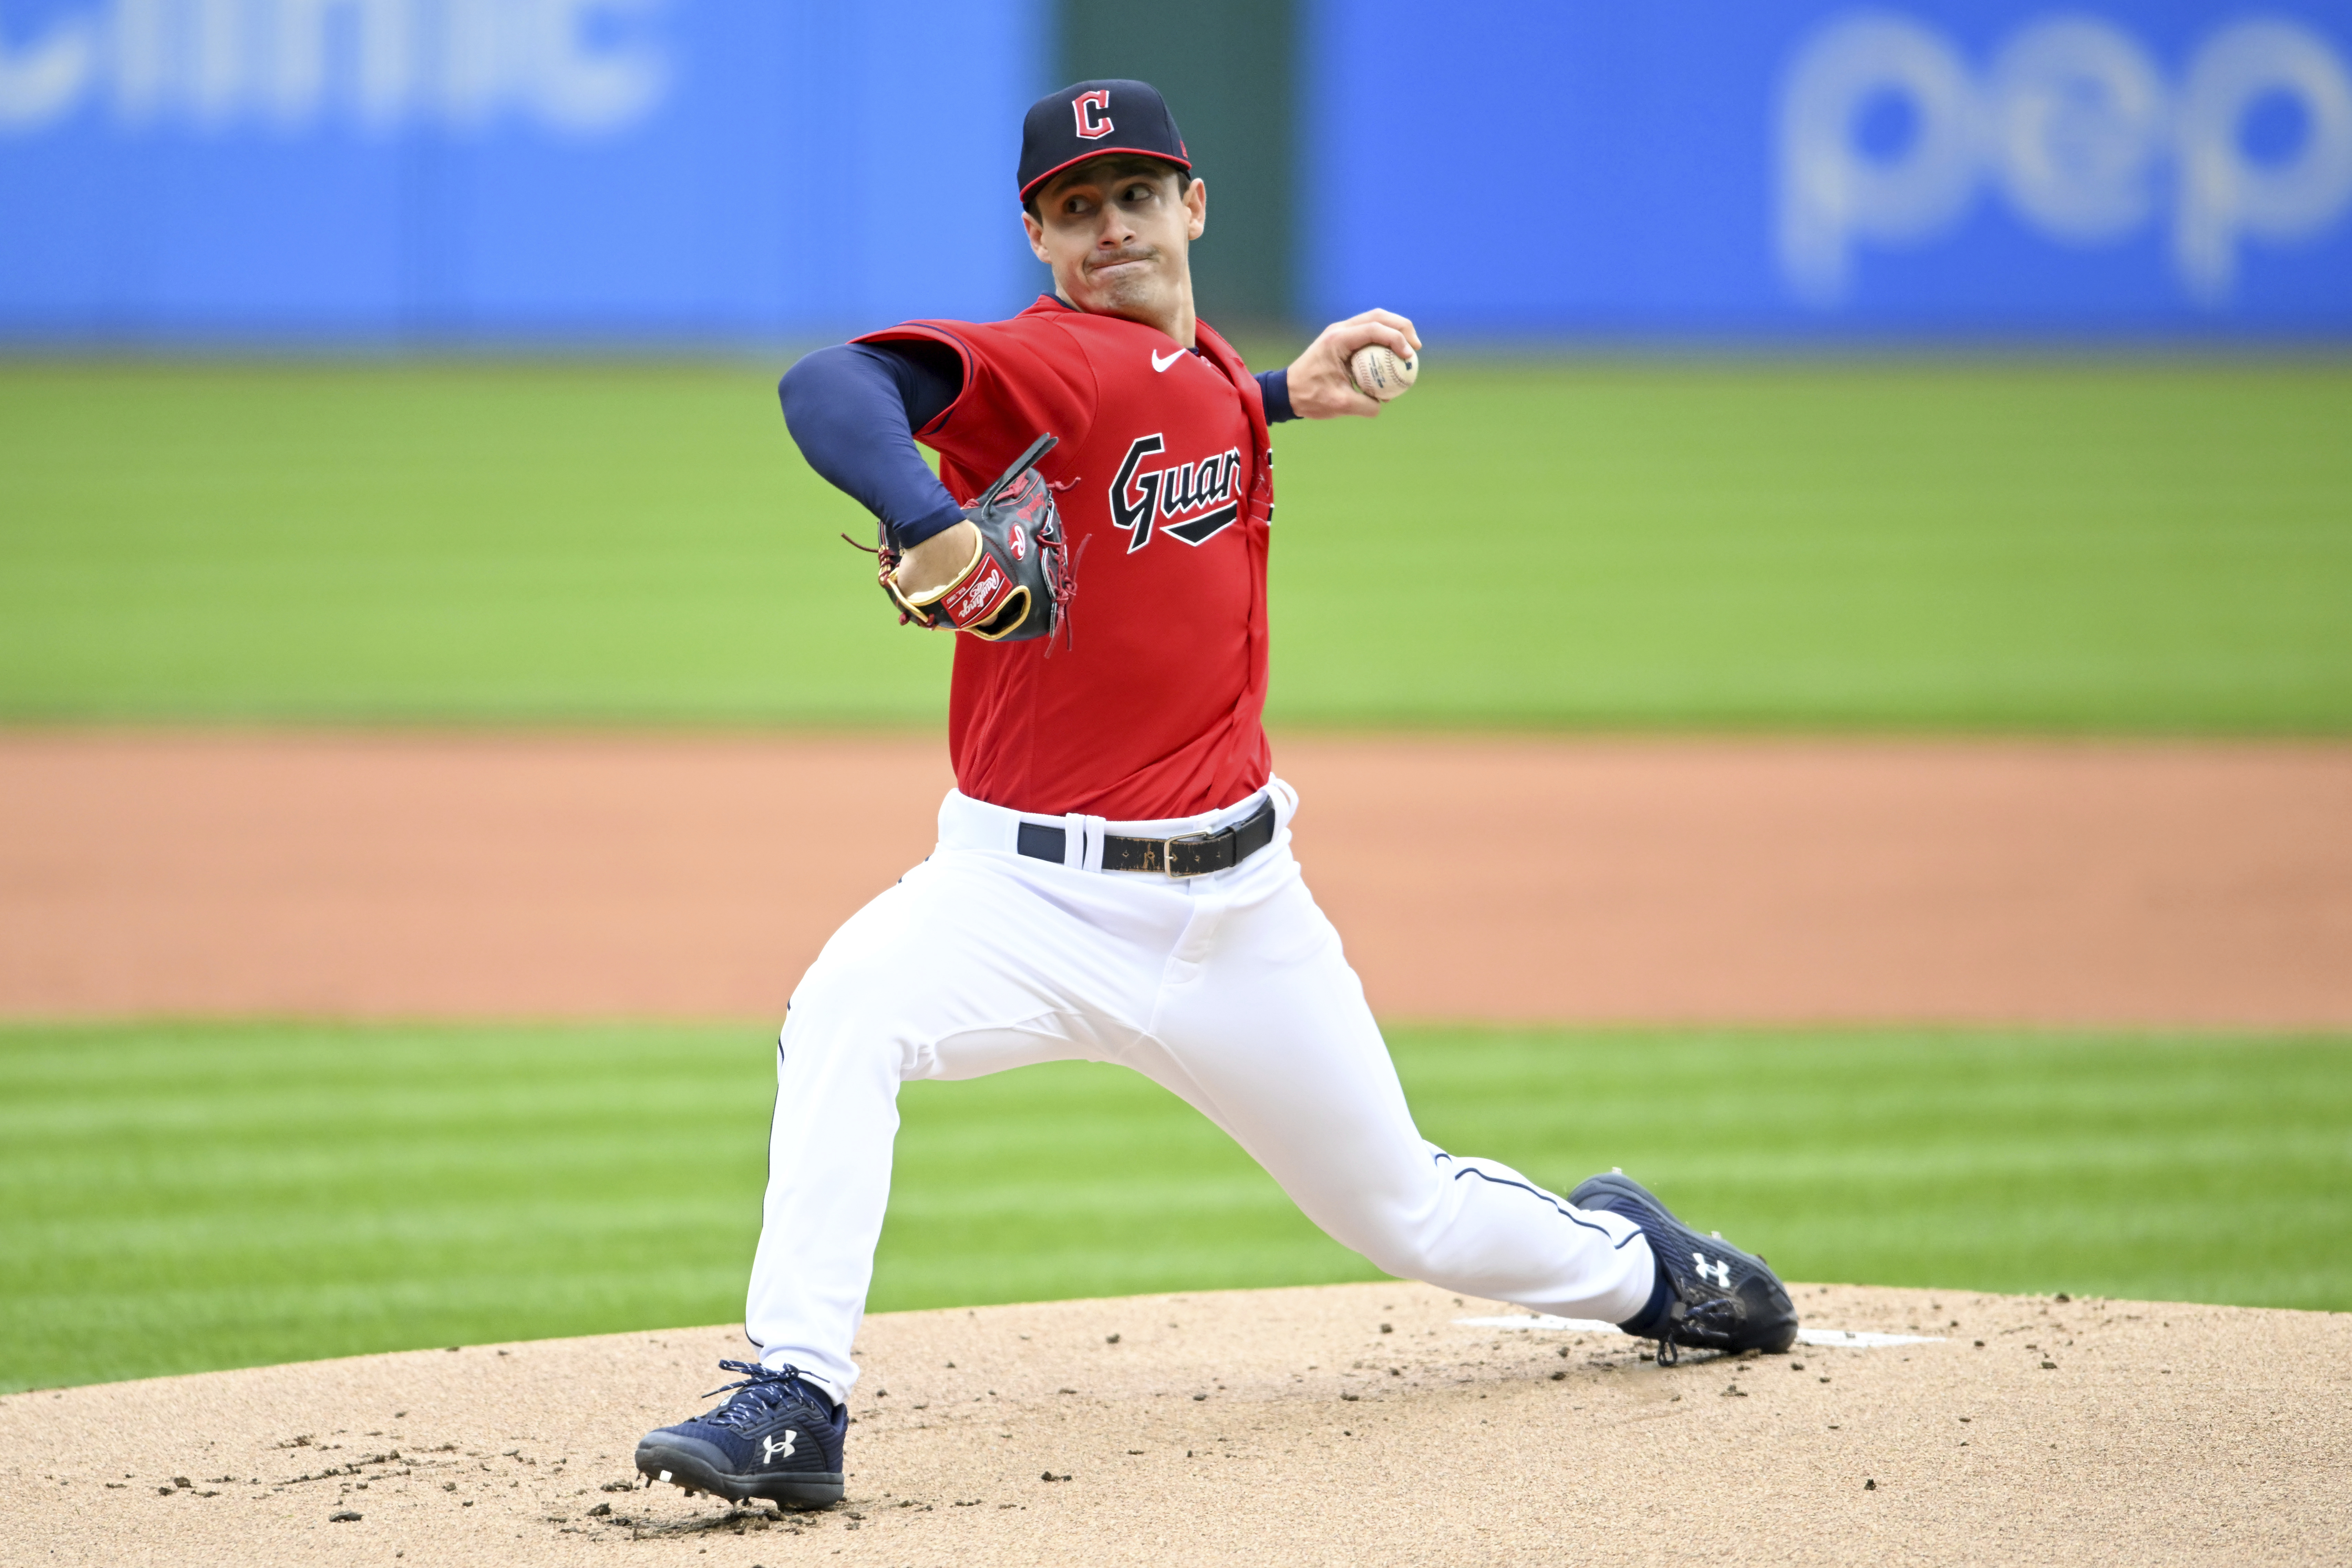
[(1355, 1424), (1532, 880)]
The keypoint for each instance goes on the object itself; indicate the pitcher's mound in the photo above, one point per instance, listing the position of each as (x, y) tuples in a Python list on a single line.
[(1359, 1425)]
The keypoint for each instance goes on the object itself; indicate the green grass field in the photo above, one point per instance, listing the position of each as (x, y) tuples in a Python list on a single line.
[(2150, 546), (178, 1198), (2131, 546)]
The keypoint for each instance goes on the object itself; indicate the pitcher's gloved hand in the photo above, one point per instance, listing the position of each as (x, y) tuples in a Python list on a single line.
[(1018, 583)]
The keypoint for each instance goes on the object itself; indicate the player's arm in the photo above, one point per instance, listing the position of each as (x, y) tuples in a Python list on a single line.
[(1319, 384), (853, 410)]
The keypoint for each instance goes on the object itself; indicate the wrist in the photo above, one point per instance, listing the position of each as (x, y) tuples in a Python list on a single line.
[(930, 525), (930, 569)]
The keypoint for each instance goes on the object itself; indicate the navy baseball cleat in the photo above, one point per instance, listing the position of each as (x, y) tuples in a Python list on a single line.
[(777, 1437), (1711, 1296)]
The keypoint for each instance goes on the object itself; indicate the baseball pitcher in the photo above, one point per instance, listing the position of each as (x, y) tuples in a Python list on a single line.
[(1113, 879)]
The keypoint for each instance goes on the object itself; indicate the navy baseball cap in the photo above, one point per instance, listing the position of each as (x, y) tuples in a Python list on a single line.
[(1091, 119)]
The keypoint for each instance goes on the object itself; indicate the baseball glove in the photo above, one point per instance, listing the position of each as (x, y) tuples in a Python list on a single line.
[(1018, 584)]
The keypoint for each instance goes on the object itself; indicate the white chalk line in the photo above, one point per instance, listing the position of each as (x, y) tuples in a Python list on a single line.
[(1848, 1338)]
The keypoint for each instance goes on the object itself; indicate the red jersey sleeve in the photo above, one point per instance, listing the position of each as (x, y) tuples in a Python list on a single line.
[(1023, 378)]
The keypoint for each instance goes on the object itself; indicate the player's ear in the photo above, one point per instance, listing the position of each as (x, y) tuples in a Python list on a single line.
[(1196, 202), (1036, 232)]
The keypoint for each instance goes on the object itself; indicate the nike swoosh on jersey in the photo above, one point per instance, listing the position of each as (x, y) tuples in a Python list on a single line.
[(1159, 363)]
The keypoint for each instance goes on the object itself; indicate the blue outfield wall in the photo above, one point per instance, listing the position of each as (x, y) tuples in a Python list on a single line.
[(1786, 169), (357, 170)]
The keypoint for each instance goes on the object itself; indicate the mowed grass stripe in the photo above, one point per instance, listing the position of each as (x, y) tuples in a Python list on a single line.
[(1906, 545), (179, 1197), (2130, 545)]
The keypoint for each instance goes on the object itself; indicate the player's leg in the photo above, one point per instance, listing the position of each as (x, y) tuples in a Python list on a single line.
[(1264, 1022), (962, 968), (1264, 1025), (840, 1056), (951, 962)]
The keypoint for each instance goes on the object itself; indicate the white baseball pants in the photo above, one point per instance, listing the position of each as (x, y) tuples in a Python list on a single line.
[(1229, 990)]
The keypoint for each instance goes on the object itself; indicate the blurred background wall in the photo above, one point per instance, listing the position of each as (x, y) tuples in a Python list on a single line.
[(1785, 167), (1228, 68), (340, 169), (699, 170)]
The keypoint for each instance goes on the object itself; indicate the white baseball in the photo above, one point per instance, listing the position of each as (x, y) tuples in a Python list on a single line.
[(1380, 374)]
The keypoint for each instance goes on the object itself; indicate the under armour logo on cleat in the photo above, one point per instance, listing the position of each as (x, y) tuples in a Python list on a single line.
[(771, 1450), (1721, 1271)]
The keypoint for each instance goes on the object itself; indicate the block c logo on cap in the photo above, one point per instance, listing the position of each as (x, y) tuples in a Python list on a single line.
[(1093, 110)]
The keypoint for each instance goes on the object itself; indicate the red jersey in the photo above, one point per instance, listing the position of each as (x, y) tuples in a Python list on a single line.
[(1163, 476)]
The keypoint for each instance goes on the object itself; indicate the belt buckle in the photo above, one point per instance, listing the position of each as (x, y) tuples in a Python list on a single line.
[(1168, 853)]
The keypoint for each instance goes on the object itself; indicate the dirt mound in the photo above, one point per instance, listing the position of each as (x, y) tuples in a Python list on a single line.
[(1537, 879), (1355, 1424)]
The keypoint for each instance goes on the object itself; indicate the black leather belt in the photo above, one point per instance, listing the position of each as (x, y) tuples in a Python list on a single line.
[(1194, 855)]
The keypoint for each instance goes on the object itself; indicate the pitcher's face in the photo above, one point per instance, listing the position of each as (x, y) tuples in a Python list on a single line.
[(1117, 234)]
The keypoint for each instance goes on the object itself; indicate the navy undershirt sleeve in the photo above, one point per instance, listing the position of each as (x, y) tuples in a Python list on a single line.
[(855, 408), (1275, 384)]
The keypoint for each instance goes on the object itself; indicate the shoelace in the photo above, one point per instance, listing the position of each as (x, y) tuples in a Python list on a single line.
[(735, 1413)]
